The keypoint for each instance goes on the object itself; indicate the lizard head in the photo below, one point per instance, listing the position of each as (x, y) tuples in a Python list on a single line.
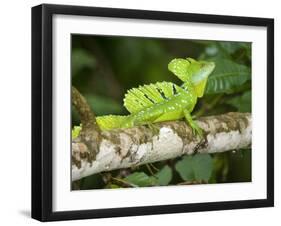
[(196, 72), (200, 76)]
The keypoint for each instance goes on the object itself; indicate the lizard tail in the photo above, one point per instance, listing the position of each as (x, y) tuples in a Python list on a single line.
[(109, 122)]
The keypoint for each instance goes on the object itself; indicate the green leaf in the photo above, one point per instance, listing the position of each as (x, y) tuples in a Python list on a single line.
[(227, 76), (75, 131), (232, 47), (185, 169), (202, 166), (140, 179), (164, 176), (198, 167), (243, 102)]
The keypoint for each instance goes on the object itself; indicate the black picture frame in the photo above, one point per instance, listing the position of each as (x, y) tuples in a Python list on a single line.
[(42, 107)]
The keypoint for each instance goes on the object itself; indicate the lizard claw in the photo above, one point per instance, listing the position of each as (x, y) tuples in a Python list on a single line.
[(155, 129), (196, 130)]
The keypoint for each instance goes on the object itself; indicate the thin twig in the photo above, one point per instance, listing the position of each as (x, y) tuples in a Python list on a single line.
[(87, 117)]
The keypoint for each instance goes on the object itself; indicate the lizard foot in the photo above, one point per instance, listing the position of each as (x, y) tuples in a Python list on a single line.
[(155, 129), (196, 130)]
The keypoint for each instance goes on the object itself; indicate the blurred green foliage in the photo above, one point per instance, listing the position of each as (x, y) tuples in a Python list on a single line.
[(195, 168), (105, 67)]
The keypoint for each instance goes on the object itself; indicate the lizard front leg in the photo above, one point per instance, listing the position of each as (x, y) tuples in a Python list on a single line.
[(196, 130)]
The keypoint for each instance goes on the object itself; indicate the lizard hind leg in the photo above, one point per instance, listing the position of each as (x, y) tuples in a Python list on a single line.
[(151, 123), (196, 130), (148, 121)]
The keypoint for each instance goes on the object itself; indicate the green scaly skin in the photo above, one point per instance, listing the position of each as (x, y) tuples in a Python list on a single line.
[(164, 101)]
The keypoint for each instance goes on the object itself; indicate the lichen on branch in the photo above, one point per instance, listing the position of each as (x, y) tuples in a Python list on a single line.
[(122, 148)]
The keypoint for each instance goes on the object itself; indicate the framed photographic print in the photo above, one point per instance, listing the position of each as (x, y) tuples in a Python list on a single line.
[(146, 112)]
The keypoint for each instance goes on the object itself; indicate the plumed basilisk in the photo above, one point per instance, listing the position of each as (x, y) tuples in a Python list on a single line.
[(164, 101)]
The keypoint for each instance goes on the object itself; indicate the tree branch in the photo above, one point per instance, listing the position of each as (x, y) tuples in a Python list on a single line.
[(124, 148), (90, 133)]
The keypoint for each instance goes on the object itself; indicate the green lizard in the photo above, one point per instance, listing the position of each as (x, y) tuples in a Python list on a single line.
[(164, 101)]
